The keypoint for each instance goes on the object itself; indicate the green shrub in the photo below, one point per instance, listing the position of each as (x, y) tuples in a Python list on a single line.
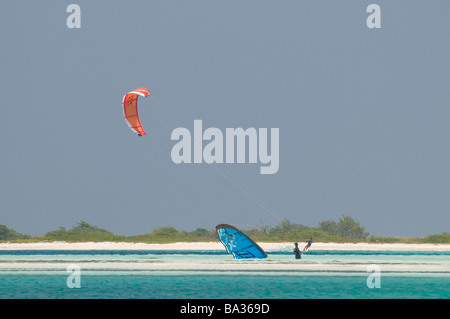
[(443, 238), (10, 234), (82, 232)]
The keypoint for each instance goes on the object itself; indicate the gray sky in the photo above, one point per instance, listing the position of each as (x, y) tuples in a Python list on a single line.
[(363, 113)]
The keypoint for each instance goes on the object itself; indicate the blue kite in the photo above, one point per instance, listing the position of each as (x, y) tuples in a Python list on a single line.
[(238, 244)]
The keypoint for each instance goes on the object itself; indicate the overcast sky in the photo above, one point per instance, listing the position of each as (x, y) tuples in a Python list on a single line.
[(363, 114)]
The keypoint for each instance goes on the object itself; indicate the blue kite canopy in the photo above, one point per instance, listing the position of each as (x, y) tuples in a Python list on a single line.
[(238, 244)]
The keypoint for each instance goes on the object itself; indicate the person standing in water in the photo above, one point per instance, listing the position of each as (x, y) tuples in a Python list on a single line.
[(298, 254)]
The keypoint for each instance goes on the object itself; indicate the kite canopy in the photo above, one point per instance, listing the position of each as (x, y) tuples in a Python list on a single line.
[(238, 244), (130, 111)]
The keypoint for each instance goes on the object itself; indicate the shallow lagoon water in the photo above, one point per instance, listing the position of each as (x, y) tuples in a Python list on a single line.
[(131, 274)]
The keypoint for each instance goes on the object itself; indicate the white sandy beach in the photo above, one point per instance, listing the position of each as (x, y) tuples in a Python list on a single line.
[(287, 246)]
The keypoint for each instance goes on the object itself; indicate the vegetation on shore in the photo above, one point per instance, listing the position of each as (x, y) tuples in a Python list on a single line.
[(345, 230)]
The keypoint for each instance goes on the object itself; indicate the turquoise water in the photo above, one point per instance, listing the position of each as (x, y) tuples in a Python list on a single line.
[(221, 286), (214, 274)]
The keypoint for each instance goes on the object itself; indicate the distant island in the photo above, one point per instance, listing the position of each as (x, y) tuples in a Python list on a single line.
[(345, 230)]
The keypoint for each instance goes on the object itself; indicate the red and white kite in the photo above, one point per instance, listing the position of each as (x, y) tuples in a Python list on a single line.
[(130, 110)]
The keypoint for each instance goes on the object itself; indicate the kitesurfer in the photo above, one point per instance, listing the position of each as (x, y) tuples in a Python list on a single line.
[(309, 243), (297, 252)]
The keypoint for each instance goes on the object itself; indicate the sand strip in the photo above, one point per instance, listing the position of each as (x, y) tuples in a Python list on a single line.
[(217, 246)]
